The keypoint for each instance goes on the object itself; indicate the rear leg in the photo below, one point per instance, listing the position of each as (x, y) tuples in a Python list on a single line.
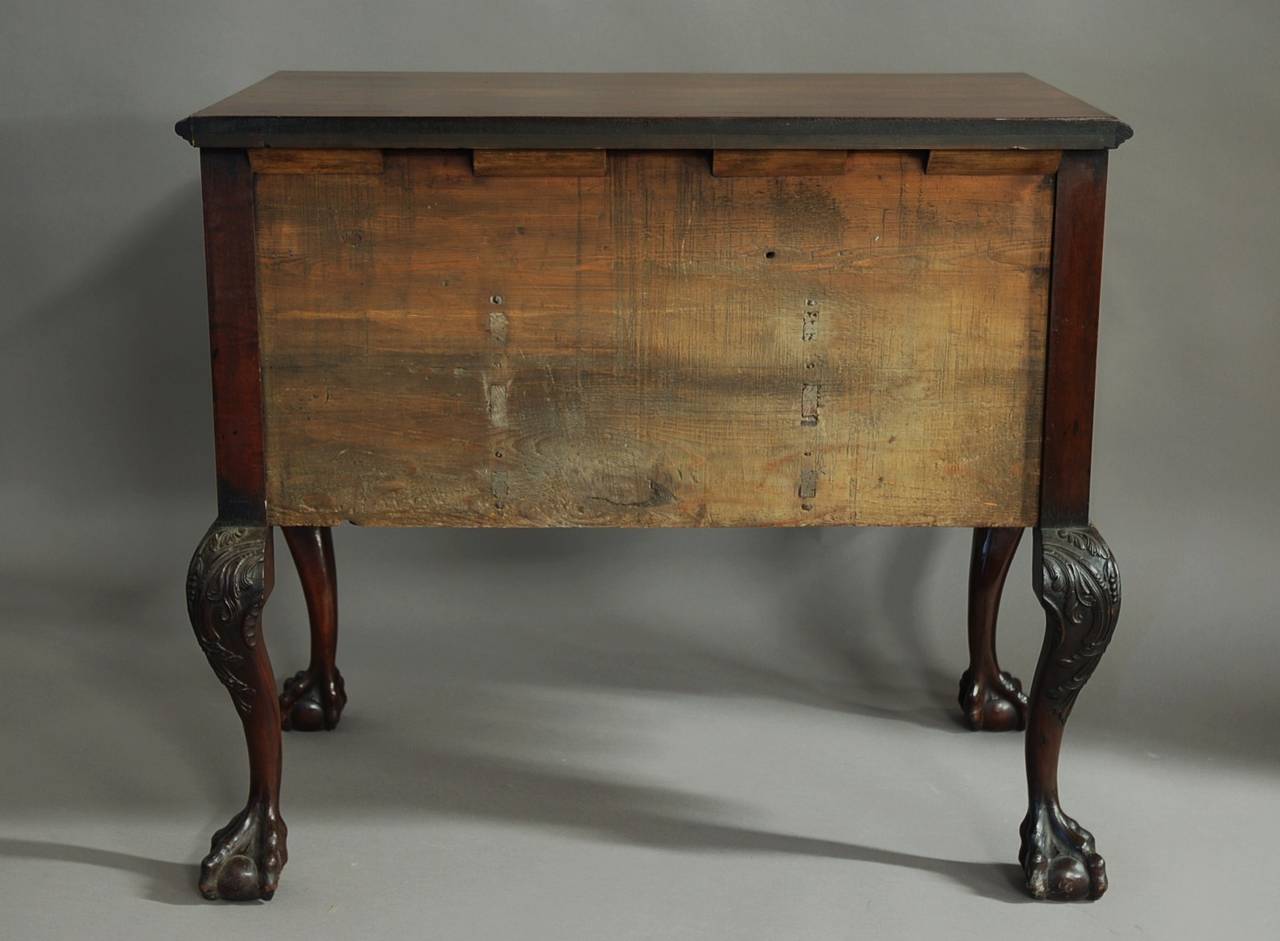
[(313, 699), (991, 699)]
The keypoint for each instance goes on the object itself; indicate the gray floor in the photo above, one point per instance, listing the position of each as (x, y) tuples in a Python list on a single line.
[(595, 735)]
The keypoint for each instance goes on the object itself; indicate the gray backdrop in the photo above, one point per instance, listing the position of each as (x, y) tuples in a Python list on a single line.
[(106, 456)]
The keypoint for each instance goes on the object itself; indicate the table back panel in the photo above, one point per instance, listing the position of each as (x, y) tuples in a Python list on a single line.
[(657, 346)]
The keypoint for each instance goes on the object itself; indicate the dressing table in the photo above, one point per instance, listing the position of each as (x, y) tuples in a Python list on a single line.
[(653, 300)]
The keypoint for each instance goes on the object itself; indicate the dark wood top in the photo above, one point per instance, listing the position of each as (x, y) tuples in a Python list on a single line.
[(652, 110)]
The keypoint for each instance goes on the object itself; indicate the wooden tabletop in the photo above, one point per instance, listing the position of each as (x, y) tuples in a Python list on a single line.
[(653, 110)]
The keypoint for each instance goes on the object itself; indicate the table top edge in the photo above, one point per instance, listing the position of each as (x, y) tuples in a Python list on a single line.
[(653, 110)]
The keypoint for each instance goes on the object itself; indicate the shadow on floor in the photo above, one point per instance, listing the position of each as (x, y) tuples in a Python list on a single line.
[(458, 784), (470, 719), (172, 883), (847, 638), (165, 882)]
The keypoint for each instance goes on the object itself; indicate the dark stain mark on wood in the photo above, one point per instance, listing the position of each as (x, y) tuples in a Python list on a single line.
[(658, 496)]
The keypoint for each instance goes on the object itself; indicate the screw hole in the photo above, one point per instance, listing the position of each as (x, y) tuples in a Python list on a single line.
[(496, 299), (771, 254)]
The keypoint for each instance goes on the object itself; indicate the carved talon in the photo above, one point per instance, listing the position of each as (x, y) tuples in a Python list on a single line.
[(246, 856), (308, 704), (993, 704), (1059, 858)]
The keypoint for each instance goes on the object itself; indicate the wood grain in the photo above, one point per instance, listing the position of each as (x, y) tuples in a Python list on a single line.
[(291, 160), (658, 347), (539, 163), (226, 183), (1073, 339), (992, 162), (778, 162)]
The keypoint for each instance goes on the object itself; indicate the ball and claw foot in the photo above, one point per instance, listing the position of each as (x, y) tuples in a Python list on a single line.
[(246, 856), (1059, 859), (993, 705), (312, 704)]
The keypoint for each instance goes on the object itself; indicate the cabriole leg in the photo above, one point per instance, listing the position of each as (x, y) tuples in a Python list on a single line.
[(990, 698), (1078, 584), (313, 698), (227, 585)]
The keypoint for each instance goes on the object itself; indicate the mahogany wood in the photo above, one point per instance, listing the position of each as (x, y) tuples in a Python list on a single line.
[(313, 699), (990, 699), (1078, 585), (652, 111), (231, 271), (228, 584), (1073, 339), (818, 331)]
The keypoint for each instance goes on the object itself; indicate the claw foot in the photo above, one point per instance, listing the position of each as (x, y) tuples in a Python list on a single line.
[(309, 703), (246, 856), (993, 704), (1059, 858)]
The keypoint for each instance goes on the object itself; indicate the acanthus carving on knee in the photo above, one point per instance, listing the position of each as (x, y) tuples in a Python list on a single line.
[(226, 589), (1079, 585)]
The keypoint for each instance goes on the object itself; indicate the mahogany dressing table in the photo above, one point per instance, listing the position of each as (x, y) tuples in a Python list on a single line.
[(653, 300)]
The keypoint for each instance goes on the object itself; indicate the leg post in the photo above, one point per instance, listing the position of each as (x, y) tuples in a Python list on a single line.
[(990, 698), (313, 698), (227, 586), (1078, 585)]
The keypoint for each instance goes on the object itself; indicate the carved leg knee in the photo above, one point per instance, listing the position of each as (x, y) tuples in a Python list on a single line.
[(990, 699), (313, 698), (1078, 585), (227, 587)]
